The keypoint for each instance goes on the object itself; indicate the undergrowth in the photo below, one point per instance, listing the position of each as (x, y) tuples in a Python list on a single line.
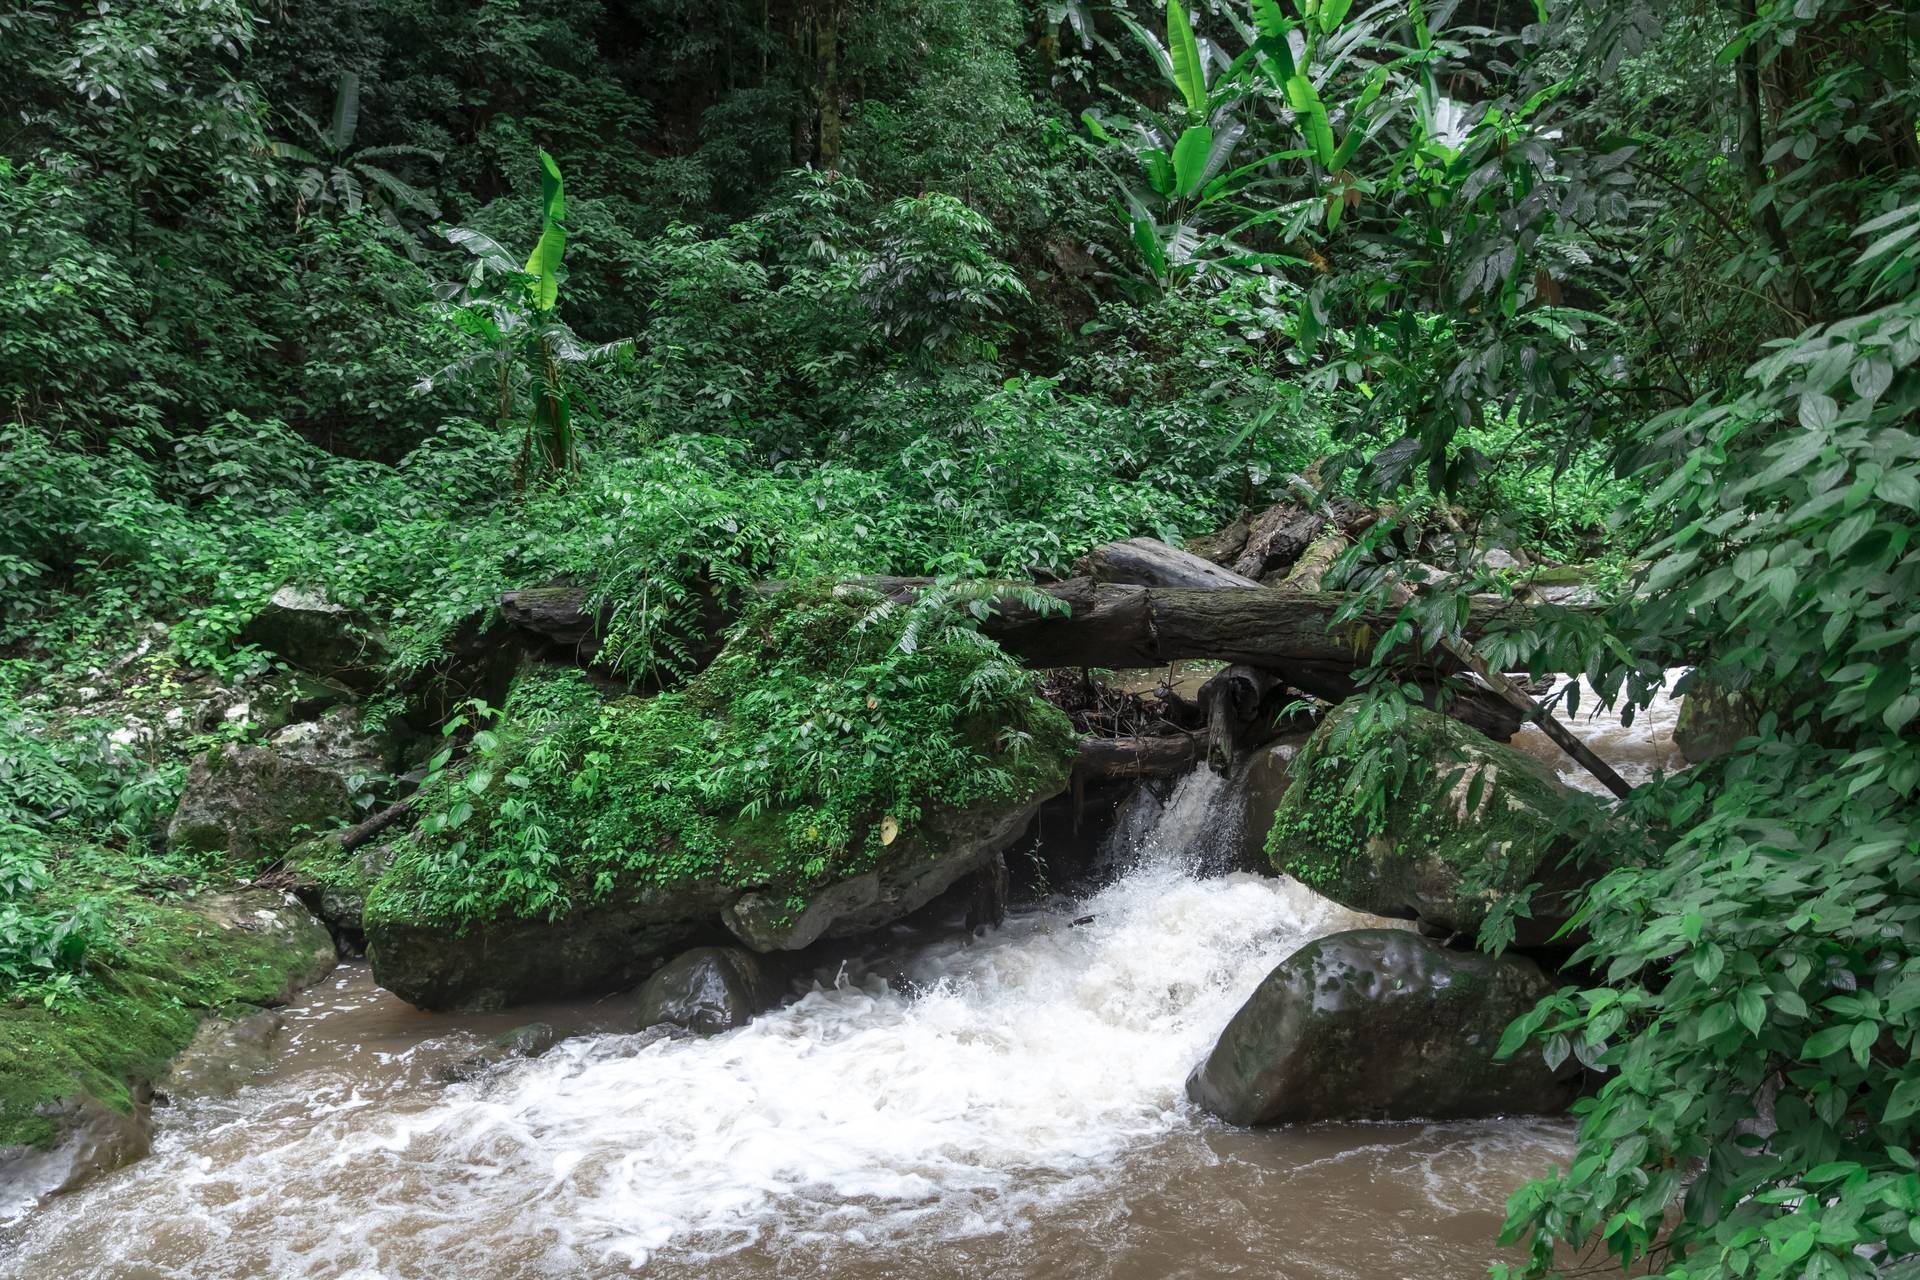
[(830, 725)]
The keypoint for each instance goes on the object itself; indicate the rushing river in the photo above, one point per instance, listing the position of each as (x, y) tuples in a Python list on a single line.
[(1005, 1106)]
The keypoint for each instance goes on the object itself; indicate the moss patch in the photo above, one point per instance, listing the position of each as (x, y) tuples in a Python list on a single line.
[(172, 965), (1470, 823), (829, 726)]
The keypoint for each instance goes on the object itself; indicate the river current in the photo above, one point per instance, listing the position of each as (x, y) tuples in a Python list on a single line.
[(941, 1106)]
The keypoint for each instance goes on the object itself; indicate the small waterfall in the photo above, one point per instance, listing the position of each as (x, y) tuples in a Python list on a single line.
[(1197, 828)]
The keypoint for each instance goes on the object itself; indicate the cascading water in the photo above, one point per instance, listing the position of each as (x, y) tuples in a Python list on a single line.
[(1005, 1105)]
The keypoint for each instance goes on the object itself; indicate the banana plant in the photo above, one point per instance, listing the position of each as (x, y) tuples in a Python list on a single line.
[(334, 172), (1187, 203), (507, 314)]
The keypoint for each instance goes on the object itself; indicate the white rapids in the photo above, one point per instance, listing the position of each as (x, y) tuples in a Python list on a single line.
[(1010, 1105)]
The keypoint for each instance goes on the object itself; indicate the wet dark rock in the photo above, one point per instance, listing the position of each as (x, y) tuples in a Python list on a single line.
[(1380, 1024), (926, 859), (492, 964), (529, 1040), (96, 1141), (224, 1056), (1266, 776), (255, 802), (709, 990), (312, 633), (1712, 722), (1477, 822)]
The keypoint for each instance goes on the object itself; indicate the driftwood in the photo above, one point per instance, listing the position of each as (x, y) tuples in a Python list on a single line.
[(1165, 756), (1148, 562), (1237, 700)]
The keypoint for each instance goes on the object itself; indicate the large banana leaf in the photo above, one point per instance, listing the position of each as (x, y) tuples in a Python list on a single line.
[(543, 264), (1189, 73)]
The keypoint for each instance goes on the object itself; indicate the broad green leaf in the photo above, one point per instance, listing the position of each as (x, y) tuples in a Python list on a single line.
[(1190, 156), (543, 264), (1189, 73), (1332, 12), (1312, 115)]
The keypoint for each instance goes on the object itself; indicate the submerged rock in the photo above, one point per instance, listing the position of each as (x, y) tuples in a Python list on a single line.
[(254, 802), (313, 633), (1474, 822), (709, 990), (224, 1056), (1380, 1024)]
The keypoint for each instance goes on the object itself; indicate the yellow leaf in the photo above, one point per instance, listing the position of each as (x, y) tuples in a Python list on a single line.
[(889, 829)]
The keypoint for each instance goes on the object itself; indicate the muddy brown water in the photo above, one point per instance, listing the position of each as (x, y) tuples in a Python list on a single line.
[(1008, 1106)]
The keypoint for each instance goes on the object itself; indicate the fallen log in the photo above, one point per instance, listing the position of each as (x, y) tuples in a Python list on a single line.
[(1236, 700), (1117, 625), (1148, 562), (1163, 756)]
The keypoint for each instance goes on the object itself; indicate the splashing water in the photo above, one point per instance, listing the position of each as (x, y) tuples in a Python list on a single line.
[(1012, 1104)]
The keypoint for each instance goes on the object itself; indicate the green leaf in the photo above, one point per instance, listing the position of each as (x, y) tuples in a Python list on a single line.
[(1904, 1101), (543, 264), (1331, 13), (1312, 114), (1825, 1043), (1189, 74), (1190, 156)]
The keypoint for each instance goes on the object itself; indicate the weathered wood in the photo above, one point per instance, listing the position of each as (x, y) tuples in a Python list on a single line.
[(1312, 566), (1235, 700), (1114, 625), (1148, 562), (394, 814), (1164, 756), (1278, 538)]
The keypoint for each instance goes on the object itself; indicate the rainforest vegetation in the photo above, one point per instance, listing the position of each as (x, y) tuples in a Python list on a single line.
[(411, 303)]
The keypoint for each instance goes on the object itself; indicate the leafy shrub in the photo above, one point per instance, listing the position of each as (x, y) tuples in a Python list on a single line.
[(829, 722)]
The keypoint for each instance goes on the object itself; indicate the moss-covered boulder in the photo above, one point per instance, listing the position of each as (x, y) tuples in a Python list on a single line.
[(1473, 822), (709, 990), (316, 635), (74, 1077), (1380, 1024), (835, 768), (256, 802)]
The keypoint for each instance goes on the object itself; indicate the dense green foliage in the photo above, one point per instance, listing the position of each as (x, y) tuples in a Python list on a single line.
[(1574, 253), (829, 726), (965, 287)]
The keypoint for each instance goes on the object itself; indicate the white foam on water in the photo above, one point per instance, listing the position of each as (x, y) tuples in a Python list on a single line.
[(996, 1078)]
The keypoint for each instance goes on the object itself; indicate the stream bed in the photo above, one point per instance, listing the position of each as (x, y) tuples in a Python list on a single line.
[(936, 1106)]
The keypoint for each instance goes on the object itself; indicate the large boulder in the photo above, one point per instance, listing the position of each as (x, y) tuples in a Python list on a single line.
[(255, 802), (495, 963), (316, 635), (75, 1083), (709, 990), (948, 846), (1380, 1024), (1264, 780), (1474, 822), (1712, 722)]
